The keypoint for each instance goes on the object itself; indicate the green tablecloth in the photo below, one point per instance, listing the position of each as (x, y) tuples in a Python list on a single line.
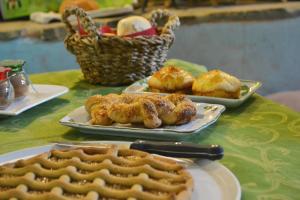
[(261, 138)]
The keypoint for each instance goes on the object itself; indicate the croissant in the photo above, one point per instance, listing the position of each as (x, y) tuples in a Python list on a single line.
[(217, 83), (152, 110), (171, 79)]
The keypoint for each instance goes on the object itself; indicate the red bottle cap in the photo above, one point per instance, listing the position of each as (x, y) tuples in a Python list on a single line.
[(3, 73)]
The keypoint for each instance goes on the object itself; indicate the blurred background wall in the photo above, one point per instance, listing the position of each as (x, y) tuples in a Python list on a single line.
[(268, 51), (251, 39)]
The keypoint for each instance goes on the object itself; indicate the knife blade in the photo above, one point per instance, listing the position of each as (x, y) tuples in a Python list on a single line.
[(180, 149)]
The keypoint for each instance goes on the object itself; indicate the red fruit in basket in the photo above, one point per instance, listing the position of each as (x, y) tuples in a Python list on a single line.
[(148, 32), (107, 31), (81, 30)]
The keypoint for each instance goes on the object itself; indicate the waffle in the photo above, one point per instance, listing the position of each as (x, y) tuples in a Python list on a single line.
[(108, 173)]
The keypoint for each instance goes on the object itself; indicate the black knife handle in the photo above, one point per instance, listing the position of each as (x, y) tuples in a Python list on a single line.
[(180, 149)]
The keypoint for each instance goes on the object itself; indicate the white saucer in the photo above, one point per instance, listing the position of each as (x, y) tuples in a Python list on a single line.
[(42, 94)]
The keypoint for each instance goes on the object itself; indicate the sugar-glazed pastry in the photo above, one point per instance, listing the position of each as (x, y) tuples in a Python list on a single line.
[(217, 83), (93, 173), (171, 79), (152, 110)]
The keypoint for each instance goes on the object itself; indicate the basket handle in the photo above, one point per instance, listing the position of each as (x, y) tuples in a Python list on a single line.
[(172, 21), (85, 21)]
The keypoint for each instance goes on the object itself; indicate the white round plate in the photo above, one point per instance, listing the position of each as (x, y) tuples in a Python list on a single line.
[(213, 181)]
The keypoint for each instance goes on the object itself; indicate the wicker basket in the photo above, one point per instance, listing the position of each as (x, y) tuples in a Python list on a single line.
[(113, 60)]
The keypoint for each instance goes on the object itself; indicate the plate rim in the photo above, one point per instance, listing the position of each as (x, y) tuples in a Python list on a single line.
[(226, 101), (63, 91), (6, 158)]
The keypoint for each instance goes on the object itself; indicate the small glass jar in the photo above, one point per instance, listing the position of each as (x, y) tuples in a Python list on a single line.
[(6, 89), (18, 77)]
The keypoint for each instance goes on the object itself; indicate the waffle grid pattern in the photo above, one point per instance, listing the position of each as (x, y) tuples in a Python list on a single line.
[(95, 174)]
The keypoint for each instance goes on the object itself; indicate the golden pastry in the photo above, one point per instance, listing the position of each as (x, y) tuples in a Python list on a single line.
[(216, 83), (97, 106), (139, 111), (92, 173), (152, 110), (171, 79), (184, 111)]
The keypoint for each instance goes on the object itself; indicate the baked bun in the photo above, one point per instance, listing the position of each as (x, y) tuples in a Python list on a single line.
[(216, 83), (131, 25), (171, 79)]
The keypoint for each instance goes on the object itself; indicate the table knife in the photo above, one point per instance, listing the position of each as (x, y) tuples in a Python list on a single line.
[(169, 149)]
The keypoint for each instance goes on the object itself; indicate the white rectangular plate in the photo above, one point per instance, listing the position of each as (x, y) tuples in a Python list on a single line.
[(43, 93), (248, 88), (213, 181), (206, 115)]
